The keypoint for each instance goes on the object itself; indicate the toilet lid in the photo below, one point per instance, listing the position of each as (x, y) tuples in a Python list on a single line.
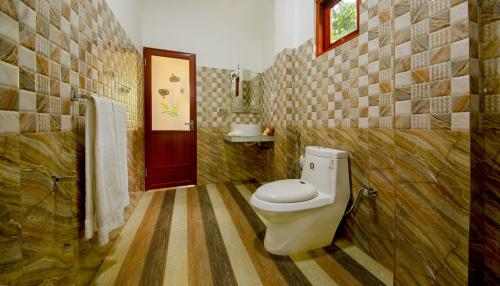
[(286, 191)]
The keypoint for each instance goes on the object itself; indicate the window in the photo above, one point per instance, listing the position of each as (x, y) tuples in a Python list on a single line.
[(337, 21)]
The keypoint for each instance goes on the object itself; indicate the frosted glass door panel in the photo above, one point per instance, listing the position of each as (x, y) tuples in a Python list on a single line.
[(170, 93)]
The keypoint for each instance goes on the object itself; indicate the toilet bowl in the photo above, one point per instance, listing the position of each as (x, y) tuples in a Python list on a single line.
[(303, 214)]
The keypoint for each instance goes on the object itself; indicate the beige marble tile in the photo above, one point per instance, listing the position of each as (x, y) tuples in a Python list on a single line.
[(27, 59), (9, 27), (9, 122), (27, 16), (9, 75)]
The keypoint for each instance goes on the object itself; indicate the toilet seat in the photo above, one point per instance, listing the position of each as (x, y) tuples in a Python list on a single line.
[(286, 191), (319, 200)]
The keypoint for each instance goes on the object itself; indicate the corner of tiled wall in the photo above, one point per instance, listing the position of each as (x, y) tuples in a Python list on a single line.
[(396, 98), (47, 50)]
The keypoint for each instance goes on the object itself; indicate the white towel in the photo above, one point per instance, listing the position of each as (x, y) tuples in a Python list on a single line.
[(106, 190), (120, 114)]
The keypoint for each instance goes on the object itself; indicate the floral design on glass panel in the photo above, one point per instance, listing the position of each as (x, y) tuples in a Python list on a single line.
[(343, 19), (170, 97)]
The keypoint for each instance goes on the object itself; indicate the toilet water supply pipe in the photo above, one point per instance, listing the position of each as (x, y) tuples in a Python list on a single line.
[(363, 192)]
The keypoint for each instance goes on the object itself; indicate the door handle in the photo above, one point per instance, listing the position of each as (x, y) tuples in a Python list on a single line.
[(191, 125)]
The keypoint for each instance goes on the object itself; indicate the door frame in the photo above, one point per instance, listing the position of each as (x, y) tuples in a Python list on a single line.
[(147, 53)]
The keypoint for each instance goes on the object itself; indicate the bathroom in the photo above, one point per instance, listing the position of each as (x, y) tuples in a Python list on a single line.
[(404, 105)]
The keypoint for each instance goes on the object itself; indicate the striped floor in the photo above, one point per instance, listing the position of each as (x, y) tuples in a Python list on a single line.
[(210, 235)]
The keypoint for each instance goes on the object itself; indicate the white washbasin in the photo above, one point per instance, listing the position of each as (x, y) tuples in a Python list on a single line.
[(245, 130)]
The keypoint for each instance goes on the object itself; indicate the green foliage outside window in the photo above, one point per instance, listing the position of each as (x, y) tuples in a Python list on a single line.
[(343, 19)]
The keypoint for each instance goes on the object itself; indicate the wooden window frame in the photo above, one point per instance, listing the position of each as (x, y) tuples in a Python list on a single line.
[(323, 29)]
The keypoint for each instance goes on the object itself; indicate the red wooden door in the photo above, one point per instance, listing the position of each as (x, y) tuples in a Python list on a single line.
[(170, 106)]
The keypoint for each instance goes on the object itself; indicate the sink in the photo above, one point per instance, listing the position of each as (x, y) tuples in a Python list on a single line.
[(245, 130)]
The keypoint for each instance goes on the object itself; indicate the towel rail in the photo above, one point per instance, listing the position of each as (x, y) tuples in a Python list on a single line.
[(57, 178), (75, 96)]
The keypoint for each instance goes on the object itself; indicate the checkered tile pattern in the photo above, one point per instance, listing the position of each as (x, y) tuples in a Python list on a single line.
[(50, 48), (409, 68), (214, 101), (350, 86), (432, 81), (278, 90)]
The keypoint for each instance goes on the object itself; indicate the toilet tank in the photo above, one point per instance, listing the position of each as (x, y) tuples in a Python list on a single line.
[(327, 169)]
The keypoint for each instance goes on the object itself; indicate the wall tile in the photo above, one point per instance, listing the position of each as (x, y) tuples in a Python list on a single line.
[(50, 249), (432, 172), (9, 122), (9, 75), (9, 27), (10, 206), (9, 98), (8, 50)]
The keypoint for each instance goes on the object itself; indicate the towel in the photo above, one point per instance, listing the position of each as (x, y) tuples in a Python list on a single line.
[(106, 188), (120, 114)]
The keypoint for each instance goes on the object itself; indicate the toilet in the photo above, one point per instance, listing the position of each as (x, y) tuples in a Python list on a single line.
[(303, 214)]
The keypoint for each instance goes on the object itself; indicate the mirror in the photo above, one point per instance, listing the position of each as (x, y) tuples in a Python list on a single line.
[(245, 91)]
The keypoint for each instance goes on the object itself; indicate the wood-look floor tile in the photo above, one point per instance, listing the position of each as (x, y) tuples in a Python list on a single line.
[(220, 265), (114, 260), (264, 264), (241, 263), (338, 273), (157, 253), (210, 235), (131, 270), (366, 264), (312, 270), (176, 269), (199, 272)]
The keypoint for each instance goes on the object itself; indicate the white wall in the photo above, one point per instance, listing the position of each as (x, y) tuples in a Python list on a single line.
[(284, 25), (128, 13), (294, 23), (305, 21), (222, 33)]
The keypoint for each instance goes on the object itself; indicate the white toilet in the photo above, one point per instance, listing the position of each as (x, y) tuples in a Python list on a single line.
[(303, 214)]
